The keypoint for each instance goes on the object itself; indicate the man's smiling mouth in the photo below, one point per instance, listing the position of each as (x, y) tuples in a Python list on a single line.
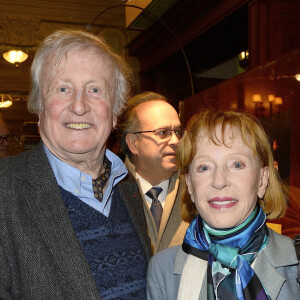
[(78, 125)]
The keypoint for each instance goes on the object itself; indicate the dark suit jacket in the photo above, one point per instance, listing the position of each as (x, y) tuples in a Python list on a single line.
[(40, 256)]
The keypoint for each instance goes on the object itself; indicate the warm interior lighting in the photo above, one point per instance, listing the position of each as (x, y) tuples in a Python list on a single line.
[(278, 101), (6, 101), (243, 59), (244, 55), (5, 104), (15, 56), (256, 98), (297, 76), (271, 98)]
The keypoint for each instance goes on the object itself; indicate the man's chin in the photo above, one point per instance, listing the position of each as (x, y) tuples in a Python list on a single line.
[(171, 168)]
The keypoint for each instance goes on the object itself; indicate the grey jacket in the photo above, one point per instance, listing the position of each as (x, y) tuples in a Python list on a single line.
[(40, 256), (276, 267)]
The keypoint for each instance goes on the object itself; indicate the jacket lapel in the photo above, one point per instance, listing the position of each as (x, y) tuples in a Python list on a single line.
[(272, 257), (169, 204), (132, 199), (48, 209), (274, 281)]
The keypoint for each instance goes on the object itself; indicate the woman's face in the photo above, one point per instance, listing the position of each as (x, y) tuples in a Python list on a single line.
[(224, 181)]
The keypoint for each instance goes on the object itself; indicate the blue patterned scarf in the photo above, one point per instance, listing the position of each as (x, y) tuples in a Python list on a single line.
[(229, 253)]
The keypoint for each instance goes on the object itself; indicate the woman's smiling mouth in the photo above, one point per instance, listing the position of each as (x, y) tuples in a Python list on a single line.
[(222, 202)]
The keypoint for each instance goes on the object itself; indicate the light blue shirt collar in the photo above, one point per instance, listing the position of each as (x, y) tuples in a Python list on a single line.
[(81, 184)]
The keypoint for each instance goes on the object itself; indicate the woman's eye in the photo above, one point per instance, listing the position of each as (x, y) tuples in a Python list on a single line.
[(95, 90), (202, 168), (238, 165)]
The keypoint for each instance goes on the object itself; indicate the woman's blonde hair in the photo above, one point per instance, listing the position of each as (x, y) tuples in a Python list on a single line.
[(253, 135)]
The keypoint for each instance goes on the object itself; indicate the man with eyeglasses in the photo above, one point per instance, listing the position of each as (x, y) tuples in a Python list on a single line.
[(151, 131), (5, 138)]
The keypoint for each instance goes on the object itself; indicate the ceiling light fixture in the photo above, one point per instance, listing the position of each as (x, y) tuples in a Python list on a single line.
[(15, 56), (6, 101)]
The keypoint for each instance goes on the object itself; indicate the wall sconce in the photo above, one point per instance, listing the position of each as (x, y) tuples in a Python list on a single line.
[(256, 98), (15, 56), (6, 101), (259, 108), (278, 101), (271, 98)]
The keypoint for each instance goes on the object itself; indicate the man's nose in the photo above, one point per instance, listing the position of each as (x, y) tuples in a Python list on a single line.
[(79, 104), (173, 138)]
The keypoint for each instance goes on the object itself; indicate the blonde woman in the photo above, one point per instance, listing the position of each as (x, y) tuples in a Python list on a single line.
[(232, 188)]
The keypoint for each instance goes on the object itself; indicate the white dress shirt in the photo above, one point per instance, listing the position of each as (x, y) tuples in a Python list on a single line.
[(146, 186)]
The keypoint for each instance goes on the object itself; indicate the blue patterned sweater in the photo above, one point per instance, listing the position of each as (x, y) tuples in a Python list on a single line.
[(111, 247)]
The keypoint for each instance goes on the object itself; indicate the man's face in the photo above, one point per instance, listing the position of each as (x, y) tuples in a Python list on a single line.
[(77, 117), (155, 158), (4, 147)]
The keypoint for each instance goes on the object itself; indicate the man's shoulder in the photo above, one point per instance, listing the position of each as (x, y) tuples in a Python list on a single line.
[(15, 161), (129, 165), (19, 164), (128, 187), (129, 179)]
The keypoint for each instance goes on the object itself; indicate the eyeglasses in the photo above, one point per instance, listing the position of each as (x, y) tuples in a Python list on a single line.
[(8, 138), (164, 133)]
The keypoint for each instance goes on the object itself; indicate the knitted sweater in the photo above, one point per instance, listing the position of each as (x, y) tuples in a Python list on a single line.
[(111, 247)]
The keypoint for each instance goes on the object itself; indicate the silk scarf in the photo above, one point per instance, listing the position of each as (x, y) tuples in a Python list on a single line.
[(229, 253)]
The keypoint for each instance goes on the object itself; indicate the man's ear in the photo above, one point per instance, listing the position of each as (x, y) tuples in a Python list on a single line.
[(39, 114), (131, 141), (263, 182)]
